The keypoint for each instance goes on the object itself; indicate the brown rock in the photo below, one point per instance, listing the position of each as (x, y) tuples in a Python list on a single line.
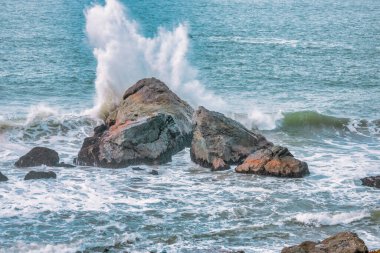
[(344, 242), (219, 142), (148, 127), (274, 161), (38, 156), (371, 181)]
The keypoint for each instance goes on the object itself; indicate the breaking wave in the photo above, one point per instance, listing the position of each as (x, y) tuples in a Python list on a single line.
[(318, 219), (125, 56), (311, 120)]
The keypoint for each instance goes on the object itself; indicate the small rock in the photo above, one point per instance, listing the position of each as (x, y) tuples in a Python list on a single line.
[(154, 172), (65, 165), (344, 242), (137, 168), (371, 181), (136, 179), (275, 161), (3, 177), (38, 156), (40, 175)]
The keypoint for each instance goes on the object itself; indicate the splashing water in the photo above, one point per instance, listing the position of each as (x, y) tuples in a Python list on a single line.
[(124, 56)]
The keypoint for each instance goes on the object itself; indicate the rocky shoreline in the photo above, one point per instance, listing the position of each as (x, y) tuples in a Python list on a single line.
[(151, 124)]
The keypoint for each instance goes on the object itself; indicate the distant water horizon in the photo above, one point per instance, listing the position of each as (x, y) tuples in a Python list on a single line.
[(305, 74)]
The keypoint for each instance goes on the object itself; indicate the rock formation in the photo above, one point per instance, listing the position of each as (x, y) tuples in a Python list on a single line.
[(219, 142), (344, 242), (274, 161), (148, 127)]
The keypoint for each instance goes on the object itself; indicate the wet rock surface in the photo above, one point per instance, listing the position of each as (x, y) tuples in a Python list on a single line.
[(274, 161), (38, 156), (344, 242), (40, 175), (219, 141), (371, 181), (148, 127), (3, 178)]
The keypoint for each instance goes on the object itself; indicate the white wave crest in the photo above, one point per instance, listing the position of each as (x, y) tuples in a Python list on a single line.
[(125, 56), (264, 121), (41, 248), (39, 112), (318, 219)]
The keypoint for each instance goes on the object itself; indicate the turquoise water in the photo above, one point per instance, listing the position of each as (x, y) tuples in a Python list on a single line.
[(306, 73)]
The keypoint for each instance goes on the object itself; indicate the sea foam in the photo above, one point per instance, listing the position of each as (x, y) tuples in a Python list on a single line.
[(318, 219)]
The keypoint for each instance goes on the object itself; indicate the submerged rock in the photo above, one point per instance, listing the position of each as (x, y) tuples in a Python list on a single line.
[(154, 172), (40, 175), (3, 177), (219, 142), (344, 242), (148, 127), (274, 161), (371, 181), (38, 156), (65, 165)]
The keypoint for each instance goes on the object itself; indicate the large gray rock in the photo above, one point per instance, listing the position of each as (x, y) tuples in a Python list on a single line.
[(219, 142), (371, 181), (344, 242), (148, 127), (3, 178), (274, 161), (38, 156)]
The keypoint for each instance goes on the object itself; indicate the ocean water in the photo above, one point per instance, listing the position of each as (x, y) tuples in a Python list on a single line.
[(306, 73)]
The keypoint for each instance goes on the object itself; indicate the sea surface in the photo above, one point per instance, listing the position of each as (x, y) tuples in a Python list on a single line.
[(305, 73)]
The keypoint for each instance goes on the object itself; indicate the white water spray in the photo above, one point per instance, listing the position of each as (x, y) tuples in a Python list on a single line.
[(125, 56)]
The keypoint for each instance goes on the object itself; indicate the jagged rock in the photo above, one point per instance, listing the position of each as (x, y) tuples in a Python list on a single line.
[(148, 127), (219, 142), (371, 181), (274, 161), (40, 175), (3, 178), (154, 172), (38, 156), (344, 242)]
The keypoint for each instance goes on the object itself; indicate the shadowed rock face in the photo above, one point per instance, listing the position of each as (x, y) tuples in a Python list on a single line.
[(345, 242), (371, 181), (40, 175), (148, 127), (219, 142), (274, 161), (38, 156), (3, 178)]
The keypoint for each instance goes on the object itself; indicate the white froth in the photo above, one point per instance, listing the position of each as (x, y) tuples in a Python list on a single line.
[(125, 56), (40, 112), (318, 219)]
